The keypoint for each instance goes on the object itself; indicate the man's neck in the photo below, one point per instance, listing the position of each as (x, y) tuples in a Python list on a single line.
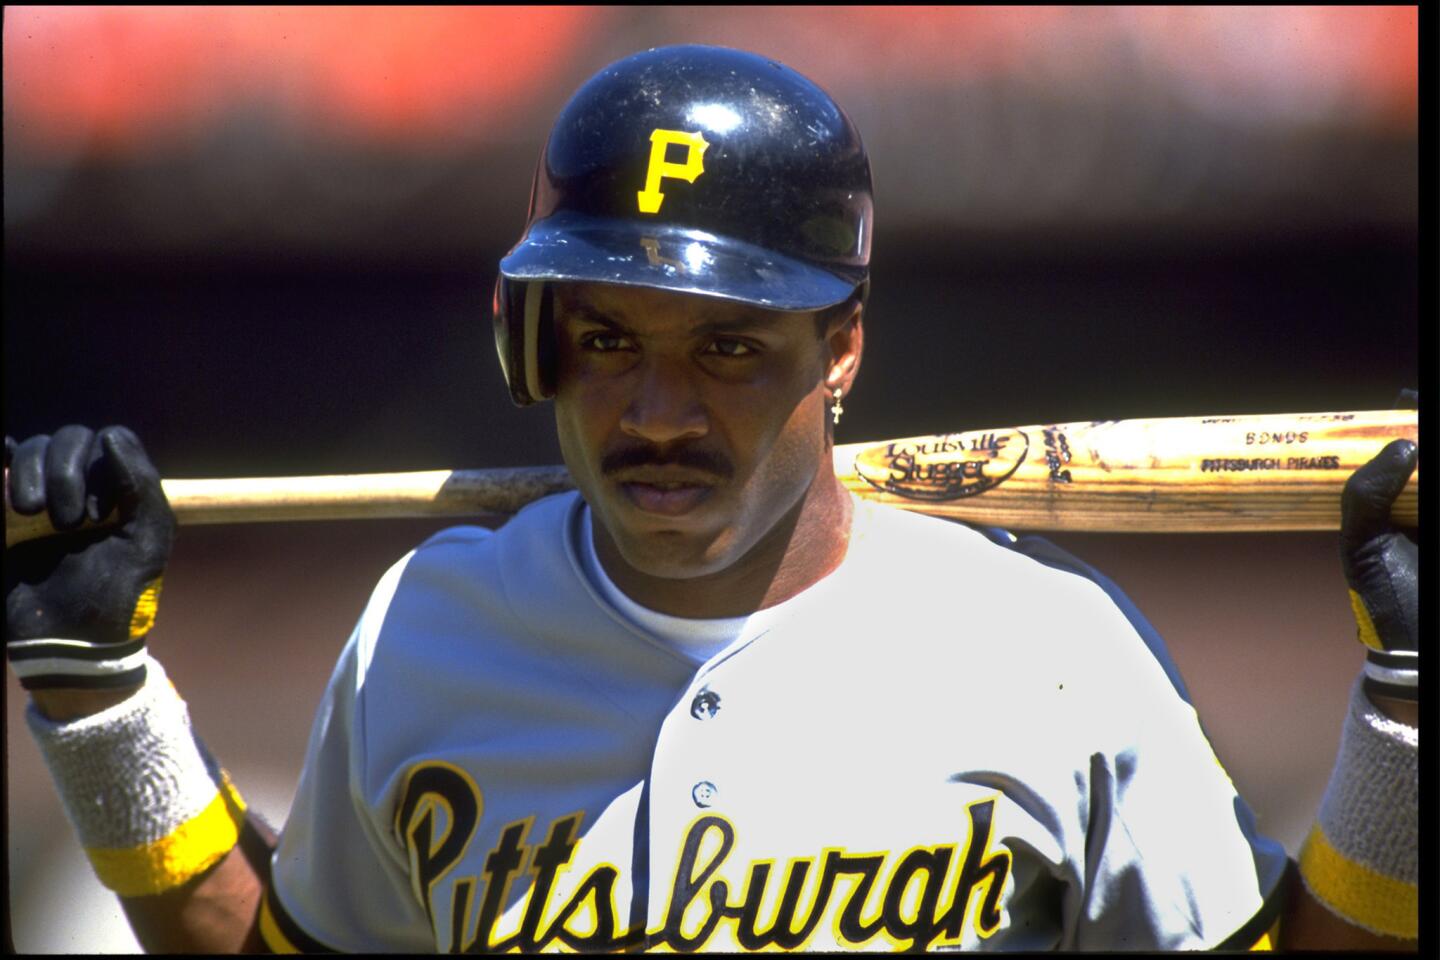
[(804, 547)]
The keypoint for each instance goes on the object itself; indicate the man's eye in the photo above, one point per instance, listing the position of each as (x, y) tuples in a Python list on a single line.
[(603, 342), (727, 347)]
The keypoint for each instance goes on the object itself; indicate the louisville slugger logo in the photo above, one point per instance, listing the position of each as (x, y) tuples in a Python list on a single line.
[(660, 167), (923, 896), (944, 467)]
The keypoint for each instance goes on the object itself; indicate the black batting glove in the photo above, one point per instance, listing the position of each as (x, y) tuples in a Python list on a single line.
[(79, 604), (1381, 566)]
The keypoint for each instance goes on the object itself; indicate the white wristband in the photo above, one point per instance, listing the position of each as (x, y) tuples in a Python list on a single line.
[(149, 804), (1361, 858)]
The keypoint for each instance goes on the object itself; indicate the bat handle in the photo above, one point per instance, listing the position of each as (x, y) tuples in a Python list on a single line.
[(20, 527), (427, 493)]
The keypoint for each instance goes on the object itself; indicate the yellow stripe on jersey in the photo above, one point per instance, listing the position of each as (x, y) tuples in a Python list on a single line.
[(1268, 940), (278, 930), (1366, 898), (270, 932), (192, 848)]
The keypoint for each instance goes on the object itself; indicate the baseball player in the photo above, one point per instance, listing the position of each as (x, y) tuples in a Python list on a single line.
[(708, 701)]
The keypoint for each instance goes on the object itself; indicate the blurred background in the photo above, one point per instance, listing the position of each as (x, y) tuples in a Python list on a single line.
[(266, 237)]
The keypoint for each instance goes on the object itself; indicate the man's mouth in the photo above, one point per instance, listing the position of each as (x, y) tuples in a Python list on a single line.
[(666, 484), (669, 498)]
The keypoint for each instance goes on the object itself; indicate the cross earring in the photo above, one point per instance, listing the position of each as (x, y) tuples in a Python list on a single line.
[(836, 409)]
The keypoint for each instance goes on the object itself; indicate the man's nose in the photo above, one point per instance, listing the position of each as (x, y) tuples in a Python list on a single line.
[(666, 405)]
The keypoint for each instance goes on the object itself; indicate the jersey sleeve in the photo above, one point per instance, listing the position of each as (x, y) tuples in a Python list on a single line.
[(338, 883), (1173, 858)]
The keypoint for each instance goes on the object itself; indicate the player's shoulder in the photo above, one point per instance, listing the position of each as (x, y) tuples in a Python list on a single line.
[(543, 519), (473, 569), (479, 555), (930, 547), (929, 564), (1050, 592), (469, 596)]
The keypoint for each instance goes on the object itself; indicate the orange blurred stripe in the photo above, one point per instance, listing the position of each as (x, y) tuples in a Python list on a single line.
[(124, 78), (136, 78)]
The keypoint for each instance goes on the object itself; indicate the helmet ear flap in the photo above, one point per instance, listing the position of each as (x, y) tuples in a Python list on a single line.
[(540, 340), (522, 315)]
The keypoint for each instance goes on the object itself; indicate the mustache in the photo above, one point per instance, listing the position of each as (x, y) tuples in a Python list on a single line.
[(692, 458)]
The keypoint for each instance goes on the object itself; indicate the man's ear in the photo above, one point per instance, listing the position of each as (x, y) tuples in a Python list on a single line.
[(845, 342)]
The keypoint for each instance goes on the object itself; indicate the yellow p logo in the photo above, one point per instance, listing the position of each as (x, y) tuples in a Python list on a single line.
[(660, 168)]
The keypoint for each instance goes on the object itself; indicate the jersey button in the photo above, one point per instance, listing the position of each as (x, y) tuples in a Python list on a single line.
[(705, 705), (704, 793)]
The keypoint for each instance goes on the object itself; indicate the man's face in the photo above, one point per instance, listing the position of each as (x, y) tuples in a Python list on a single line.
[(691, 425)]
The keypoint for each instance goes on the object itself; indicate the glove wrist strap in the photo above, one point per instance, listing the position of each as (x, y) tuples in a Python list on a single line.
[(1395, 673), (149, 804), (49, 664)]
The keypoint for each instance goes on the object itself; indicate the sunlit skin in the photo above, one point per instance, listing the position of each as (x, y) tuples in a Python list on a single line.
[(697, 430)]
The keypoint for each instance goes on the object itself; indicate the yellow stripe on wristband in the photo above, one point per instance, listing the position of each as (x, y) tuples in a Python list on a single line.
[(1368, 636), (1366, 898), (194, 846)]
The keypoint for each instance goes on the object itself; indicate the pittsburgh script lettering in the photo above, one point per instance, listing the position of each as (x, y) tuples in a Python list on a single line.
[(919, 897)]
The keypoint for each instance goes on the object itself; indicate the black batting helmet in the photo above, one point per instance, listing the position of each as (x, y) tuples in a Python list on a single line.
[(697, 169)]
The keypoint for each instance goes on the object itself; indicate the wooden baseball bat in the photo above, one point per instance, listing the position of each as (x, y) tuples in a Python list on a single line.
[(1171, 474)]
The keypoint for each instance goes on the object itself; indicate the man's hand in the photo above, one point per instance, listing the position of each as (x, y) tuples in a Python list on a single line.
[(1358, 890), (79, 605), (1381, 565)]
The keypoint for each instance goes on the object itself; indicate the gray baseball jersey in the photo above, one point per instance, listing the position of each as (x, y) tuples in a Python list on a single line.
[(945, 744)]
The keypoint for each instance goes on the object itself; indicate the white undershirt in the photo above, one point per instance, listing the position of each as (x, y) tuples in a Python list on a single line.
[(696, 640)]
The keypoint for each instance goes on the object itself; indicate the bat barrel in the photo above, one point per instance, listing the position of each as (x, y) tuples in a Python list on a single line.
[(1180, 474)]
